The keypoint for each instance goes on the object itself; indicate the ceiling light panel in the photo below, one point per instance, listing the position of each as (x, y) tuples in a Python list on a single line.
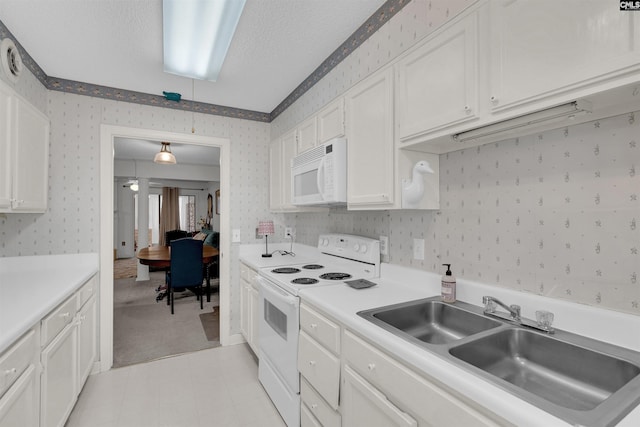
[(197, 35)]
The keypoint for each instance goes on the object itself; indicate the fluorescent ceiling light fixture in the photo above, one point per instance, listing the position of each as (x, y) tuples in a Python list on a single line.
[(197, 35), (521, 124), (165, 156)]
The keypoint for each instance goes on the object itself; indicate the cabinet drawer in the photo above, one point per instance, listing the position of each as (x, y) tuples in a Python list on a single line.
[(306, 417), (87, 290), (16, 359), (317, 406), (320, 328), (320, 368), (58, 319), (244, 272), (410, 391)]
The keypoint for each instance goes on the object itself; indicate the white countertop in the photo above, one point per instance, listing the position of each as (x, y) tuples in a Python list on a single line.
[(398, 284), (32, 286)]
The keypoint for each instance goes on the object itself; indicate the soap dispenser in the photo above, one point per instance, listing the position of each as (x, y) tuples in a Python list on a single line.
[(448, 289)]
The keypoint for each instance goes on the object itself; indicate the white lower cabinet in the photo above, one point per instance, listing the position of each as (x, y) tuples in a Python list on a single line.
[(19, 383), (422, 399), (59, 386), (19, 405), (346, 381), (363, 405), (87, 340), (249, 305)]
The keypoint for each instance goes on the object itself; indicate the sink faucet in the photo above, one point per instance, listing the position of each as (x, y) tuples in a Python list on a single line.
[(490, 308)]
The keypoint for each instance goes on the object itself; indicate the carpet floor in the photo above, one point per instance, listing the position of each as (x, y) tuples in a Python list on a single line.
[(145, 330)]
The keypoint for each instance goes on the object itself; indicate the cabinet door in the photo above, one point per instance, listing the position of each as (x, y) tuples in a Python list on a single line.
[(255, 319), (369, 109), (31, 159), (244, 309), (19, 405), (545, 47), (307, 134), (331, 121), (363, 405), (59, 378), (6, 166), (437, 85), (87, 343), (288, 153)]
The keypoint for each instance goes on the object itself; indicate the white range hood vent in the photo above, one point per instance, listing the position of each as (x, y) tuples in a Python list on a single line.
[(522, 125)]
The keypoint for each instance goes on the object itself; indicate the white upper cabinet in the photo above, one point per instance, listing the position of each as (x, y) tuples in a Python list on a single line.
[(370, 147), (307, 134), (437, 84), (281, 152), (331, 121), (547, 47), (6, 126), (31, 159), (24, 155)]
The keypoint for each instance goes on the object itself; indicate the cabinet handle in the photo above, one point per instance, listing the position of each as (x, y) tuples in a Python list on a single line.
[(10, 371), (494, 99), (314, 405), (371, 366), (314, 326), (65, 315), (467, 109), (312, 363)]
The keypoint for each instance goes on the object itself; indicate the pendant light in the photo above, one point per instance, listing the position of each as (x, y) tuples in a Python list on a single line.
[(165, 156)]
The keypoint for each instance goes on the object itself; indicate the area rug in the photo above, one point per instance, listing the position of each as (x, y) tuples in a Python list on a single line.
[(125, 267), (211, 324), (145, 330)]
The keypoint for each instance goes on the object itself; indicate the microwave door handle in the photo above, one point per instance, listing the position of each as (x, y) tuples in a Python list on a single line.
[(320, 178)]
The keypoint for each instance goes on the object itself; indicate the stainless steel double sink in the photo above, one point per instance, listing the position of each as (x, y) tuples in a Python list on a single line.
[(578, 379)]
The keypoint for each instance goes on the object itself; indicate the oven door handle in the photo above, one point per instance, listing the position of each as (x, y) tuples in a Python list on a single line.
[(270, 290)]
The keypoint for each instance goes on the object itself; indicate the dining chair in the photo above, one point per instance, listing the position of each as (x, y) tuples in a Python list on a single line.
[(185, 270)]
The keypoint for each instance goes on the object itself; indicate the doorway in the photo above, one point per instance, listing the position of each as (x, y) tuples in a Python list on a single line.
[(108, 136)]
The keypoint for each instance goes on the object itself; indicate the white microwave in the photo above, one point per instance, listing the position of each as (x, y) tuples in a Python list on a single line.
[(319, 175)]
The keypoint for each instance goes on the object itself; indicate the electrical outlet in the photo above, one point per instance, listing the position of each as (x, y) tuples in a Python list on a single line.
[(418, 249), (235, 235), (288, 232), (384, 245)]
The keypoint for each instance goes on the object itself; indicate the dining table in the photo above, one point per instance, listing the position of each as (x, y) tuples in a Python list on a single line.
[(160, 257)]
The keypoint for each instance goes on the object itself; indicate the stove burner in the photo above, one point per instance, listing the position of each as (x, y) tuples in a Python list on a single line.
[(286, 270), (335, 276), (304, 281), (312, 266)]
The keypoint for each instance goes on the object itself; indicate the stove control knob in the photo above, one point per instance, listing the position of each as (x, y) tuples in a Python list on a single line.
[(364, 249), (356, 247)]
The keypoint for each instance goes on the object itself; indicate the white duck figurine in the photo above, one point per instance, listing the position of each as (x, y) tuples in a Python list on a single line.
[(413, 190)]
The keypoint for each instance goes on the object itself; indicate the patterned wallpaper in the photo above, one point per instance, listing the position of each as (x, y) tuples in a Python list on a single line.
[(71, 223)]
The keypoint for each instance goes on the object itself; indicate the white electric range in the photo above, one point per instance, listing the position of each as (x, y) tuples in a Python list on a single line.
[(341, 258)]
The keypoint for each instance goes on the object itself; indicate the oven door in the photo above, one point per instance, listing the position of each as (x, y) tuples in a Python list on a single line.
[(278, 332)]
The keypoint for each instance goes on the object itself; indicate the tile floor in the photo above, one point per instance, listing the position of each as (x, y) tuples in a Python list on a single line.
[(214, 387)]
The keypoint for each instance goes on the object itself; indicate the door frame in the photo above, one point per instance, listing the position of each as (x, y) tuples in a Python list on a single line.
[(107, 135)]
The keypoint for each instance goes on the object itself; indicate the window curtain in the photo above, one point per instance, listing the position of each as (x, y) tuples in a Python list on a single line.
[(169, 212)]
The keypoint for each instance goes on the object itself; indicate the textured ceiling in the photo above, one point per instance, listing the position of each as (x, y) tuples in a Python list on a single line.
[(118, 43)]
